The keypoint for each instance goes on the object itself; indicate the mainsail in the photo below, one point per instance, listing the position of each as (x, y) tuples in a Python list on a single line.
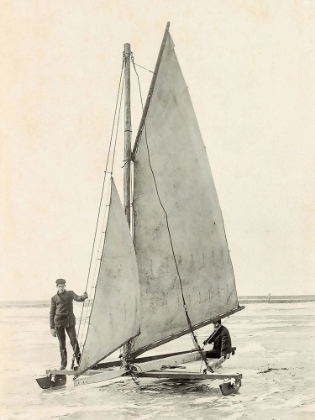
[(177, 274), (173, 182), (115, 313)]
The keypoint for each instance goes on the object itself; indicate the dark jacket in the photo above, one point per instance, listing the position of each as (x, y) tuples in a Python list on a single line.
[(221, 340), (61, 309)]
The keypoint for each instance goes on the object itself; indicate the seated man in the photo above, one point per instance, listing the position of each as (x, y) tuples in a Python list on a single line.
[(222, 344)]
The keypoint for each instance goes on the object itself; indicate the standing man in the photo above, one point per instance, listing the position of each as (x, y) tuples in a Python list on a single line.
[(62, 319), (222, 344)]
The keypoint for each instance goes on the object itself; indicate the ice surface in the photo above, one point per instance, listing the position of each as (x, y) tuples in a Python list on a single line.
[(274, 353)]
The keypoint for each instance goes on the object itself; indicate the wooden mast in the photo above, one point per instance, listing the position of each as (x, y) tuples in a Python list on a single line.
[(127, 158), (127, 136), (128, 348)]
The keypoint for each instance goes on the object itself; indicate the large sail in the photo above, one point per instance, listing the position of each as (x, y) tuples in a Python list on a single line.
[(172, 173), (115, 313)]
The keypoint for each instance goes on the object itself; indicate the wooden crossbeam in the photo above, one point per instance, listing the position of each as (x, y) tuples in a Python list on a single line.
[(60, 372), (68, 372), (187, 375)]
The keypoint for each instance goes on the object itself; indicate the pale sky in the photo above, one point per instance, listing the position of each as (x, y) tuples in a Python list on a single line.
[(250, 69)]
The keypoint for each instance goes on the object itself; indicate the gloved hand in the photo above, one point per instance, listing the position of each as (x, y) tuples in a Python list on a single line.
[(85, 295), (205, 342), (53, 332)]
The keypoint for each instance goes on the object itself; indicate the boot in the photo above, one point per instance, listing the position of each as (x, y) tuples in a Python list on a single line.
[(77, 353), (63, 354)]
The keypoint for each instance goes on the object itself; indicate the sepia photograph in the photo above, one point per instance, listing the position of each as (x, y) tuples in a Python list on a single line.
[(157, 210)]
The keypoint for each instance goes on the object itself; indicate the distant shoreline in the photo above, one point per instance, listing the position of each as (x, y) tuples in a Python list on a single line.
[(274, 299), (242, 300)]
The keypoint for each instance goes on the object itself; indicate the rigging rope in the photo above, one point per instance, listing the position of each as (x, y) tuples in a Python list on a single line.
[(106, 172), (118, 119), (138, 65), (195, 340)]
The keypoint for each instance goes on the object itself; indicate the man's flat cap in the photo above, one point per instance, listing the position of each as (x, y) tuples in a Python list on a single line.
[(60, 281)]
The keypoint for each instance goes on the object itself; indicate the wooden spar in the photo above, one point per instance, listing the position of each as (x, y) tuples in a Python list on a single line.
[(127, 158), (127, 136), (143, 359), (151, 89)]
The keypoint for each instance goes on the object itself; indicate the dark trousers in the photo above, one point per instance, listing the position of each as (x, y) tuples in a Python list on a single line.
[(212, 354), (61, 334)]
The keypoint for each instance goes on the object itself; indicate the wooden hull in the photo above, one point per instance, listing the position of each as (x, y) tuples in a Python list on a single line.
[(166, 366), (104, 375)]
